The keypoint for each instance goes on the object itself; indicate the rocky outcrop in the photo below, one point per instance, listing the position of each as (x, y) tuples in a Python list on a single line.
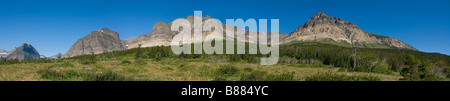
[(321, 26), (24, 52), (99, 41)]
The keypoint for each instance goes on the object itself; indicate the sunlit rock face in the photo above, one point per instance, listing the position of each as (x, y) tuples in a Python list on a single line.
[(321, 26), (98, 41)]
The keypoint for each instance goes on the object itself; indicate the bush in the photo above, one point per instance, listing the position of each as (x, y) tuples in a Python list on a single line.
[(56, 75), (88, 62), (371, 63), (254, 76), (282, 77), (126, 62), (71, 75), (248, 69), (219, 78), (227, 70), (330, 76), (140, 62), (64, 64), (107, 76), (287, 60), (417, 70)]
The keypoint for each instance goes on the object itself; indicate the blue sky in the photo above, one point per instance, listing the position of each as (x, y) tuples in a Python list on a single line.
[(53, 26)]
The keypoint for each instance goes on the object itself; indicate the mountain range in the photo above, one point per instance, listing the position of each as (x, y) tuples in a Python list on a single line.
[(319, 28)]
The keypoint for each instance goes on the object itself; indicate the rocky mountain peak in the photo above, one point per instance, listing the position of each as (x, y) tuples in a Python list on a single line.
[(24, 52), (321, 26), (322, 19), (99, 41), (161, 28), (319, 15), (107, 32)]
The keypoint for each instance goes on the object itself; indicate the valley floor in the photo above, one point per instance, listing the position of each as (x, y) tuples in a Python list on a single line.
[(170, 69)]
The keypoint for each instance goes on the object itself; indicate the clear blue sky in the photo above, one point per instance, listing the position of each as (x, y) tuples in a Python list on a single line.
[(53, 26)]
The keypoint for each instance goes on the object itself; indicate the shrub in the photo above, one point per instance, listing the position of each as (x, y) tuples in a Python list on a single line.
[(64, 64), (131, 70), (254, 76), (371, 63), (57, 75), (219, 78), (227, 70), (70, 75), (126, 62), (107, 76), (140, 62), (88, 62), (248, 69), (282, 77), (417, 70), (287, 60), (330, 76)]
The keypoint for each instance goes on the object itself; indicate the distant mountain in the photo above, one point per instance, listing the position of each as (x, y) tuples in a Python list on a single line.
[(99, 41), (128, 41), (3, 53), (24, 52), (321, 27), (42, 56), (56, 56)]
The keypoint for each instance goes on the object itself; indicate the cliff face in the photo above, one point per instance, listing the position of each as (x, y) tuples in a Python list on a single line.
[(162, 35), (99, 41), (321, 26), (24, 52)]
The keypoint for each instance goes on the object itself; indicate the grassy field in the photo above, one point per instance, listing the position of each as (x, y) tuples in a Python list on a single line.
[(178, 69)]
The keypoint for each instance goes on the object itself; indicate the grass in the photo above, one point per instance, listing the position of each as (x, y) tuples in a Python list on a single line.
[(331, 76), (172, 69)]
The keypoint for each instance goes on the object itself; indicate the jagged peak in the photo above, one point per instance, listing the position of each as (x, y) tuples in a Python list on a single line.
[(105, 29), (160, 24), (25, 44)]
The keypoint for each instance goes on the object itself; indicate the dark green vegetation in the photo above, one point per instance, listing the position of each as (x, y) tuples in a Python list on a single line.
[(386, 61)]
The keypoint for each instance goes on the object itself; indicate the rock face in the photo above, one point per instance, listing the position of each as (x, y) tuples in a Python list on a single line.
[(24, 52), (128, 41), (99, 41), (162, 35), (3, 53), (321, 26)]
